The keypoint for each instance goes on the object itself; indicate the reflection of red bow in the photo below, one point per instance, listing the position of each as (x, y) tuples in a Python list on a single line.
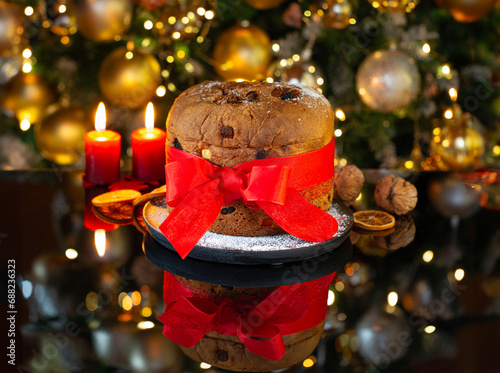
[(198, 189), (289, 309)]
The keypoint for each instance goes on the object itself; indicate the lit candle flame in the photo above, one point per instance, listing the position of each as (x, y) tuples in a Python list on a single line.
[(150, 118), (100, 241), (100, 118)]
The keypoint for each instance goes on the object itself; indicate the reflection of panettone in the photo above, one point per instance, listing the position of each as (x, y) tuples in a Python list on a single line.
[(228, 352), (228, 123)]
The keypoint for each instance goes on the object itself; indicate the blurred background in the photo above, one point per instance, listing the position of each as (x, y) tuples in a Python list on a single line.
[(414, 84)]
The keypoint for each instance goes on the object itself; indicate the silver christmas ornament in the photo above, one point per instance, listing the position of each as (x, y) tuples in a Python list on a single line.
[(387, 80)]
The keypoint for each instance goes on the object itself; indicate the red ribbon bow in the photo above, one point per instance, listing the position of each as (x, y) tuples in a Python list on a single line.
[(198, 189), (289, 309)]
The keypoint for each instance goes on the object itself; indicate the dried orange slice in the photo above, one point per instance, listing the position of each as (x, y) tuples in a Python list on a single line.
[(118, 213), (119, 196), (373, 220)]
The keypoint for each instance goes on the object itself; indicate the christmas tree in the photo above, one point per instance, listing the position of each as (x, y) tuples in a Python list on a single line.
[(413, 85)]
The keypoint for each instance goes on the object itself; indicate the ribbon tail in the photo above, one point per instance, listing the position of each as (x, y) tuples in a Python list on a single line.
[(300, 218), (191, 218), (272, 347)]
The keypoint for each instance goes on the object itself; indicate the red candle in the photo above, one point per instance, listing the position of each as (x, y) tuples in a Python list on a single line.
[(148, 150), (102, 152)]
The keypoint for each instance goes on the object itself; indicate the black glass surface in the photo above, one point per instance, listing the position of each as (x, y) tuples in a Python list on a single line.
[(81, 315)]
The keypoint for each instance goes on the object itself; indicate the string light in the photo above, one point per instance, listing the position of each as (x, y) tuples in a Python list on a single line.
[(209, 14), (91, 301), (148, 25), (339, 113), (392, 298), (446, 69), (276, 47), (309, 362), (28, 11), (496, 150), (27, 53), (143, 325), (426, 48), (25, 125), (161, 91), (201, 11), (62, 8), (331, 298), (448, 114), (430, 329), (71, 254), (176, 35), (428, 255), (205, 366), (459, 274), (27, 67), (146, 312), (453, 94), (409, 164), (127, 303), (337, 132)]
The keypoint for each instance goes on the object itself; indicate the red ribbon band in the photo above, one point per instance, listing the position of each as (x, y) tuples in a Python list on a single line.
[(198, 189), (287, 310)]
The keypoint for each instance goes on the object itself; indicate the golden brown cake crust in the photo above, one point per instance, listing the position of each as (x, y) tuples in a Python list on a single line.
[(239, 122), (229, 353), (228, 123)]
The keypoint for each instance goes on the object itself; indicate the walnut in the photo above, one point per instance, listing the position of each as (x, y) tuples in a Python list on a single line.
[(395, 195), (403, 235), (348, 183)]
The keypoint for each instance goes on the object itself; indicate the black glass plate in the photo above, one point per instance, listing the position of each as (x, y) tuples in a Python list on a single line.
[(261, 250), (248, 275)]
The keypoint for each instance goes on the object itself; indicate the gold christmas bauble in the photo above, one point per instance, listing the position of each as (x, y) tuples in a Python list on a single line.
[(103, 20), (468, 10), (27, 96), (129, 78), (60, 135), (457, 143), (264, 4), (387, 80), (242, 53), (11, 26), (337, 13), (298, 72), (394, 6)]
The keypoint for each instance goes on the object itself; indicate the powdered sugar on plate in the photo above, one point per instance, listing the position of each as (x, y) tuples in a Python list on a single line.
[(155, 214)]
